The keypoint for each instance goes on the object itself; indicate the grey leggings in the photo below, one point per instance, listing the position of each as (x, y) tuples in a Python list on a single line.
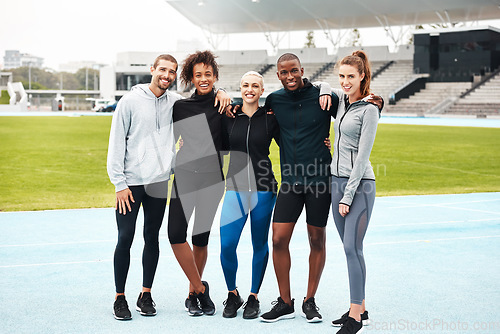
[(352, 229)]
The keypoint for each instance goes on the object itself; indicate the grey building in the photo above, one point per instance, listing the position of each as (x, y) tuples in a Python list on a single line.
[(15, 59)]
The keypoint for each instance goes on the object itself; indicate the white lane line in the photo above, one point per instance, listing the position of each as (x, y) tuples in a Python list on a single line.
[(437, 222), (74, 262), (52, 263), (433, 204), (467, 209), (293, 249), (58, 243), (432, 240), (70, 242)]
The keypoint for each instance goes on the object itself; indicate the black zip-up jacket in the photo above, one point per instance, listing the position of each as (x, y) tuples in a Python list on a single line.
[(304, 157), (200, 125), (249, 139)]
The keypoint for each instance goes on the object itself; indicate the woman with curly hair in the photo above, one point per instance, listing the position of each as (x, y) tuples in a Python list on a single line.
[(199, 180)]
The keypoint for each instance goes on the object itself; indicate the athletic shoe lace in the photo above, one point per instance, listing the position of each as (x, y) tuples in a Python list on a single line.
[(121, 304), (311, 305), (230, 299), (278, 304), (147, 300), (250, 303)]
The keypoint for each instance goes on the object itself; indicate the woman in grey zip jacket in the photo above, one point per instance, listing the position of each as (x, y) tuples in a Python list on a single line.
[(353, 180)]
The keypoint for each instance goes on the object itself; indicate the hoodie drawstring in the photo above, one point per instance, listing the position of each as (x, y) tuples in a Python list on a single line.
[(157, 102)]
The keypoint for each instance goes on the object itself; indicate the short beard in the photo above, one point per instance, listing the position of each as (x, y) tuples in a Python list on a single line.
[(158, 84)]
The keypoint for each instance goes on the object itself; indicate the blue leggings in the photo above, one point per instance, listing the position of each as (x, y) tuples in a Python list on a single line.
[(352, 229), (234, 215)]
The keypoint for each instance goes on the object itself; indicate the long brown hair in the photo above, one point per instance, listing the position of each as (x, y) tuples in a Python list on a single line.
[(359, 60)]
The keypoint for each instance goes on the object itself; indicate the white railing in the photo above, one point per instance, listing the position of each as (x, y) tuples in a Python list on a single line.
[(442, 106), (18, 95)]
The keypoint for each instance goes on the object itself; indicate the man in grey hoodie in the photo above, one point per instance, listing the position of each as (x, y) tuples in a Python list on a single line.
[(140, 159)]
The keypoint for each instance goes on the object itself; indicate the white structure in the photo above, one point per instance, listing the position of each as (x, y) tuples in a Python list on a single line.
[(74, 66), (132, 68), (15, 59), (5, 77), (18, 98)]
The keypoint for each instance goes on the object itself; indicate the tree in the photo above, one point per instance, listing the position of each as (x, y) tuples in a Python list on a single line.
[(39, 77), (45, 79), (411, 40), (85, 78), (310, 40)]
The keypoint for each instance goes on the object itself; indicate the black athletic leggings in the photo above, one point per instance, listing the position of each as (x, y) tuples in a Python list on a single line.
[(154, 210), (199, 192)]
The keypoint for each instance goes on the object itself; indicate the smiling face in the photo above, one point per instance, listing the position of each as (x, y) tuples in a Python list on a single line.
[(290, 74), (251, 88), (163, 75), (350, 81), (203, 78)]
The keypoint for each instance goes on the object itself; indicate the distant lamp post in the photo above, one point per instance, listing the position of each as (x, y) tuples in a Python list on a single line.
[(29, 75)]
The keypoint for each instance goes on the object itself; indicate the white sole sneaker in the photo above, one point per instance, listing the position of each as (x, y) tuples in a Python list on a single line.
[(315, 319), (138, 309), (285, 316)]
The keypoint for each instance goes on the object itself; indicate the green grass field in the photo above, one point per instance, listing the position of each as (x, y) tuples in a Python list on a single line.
[(60, 162), (4, 97)]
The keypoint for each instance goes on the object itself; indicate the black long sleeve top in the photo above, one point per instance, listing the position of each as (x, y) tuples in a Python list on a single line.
[(200, 125)]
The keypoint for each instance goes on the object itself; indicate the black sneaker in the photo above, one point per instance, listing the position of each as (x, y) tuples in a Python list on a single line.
[(145, 304), (341, 321), (120, 309), (310, 311), (192, 305), (207, 305), (280, 310), (351, 326), (251, 308), (232, 304)]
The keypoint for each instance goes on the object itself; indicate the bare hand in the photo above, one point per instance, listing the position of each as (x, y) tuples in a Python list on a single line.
[(328, 143), (223, 99), (122, 201), (376, 100), (325, 102), (343, 209), (230, 112)]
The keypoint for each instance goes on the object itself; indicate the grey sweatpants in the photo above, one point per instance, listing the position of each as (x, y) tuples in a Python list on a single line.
[(352, 230)]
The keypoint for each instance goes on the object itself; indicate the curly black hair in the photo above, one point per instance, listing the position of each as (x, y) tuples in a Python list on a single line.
[(199, 57)]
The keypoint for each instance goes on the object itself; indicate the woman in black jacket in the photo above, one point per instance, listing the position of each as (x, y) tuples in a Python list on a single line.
[(250, 190)]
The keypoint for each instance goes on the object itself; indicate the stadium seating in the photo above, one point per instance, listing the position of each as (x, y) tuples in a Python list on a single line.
[(484, 100), (393, 71), (433, 94)]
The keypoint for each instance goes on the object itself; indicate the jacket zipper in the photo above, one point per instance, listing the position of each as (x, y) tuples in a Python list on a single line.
[(340, 133), (248, 153), (338, 141)]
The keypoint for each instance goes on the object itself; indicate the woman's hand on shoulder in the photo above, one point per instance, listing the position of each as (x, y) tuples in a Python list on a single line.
[(223, 99), (325, 101)]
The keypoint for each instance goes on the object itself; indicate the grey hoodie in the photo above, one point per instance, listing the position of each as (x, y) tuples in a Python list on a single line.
[(355, 127), (141, 142)]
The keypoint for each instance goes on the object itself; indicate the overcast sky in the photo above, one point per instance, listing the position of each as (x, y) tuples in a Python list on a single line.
[(62, 31)]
